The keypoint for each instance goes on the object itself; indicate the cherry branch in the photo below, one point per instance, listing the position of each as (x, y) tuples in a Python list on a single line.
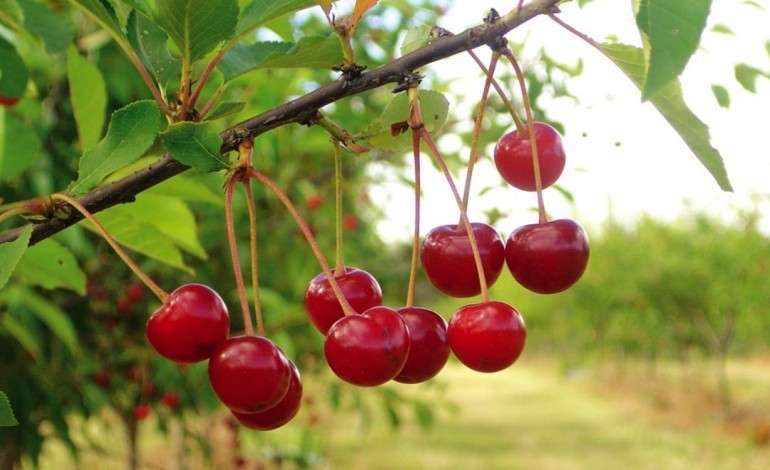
[(300, 110)]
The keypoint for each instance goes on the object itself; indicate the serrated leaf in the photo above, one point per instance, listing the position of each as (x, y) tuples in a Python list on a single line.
[(6, 413), (670, 102), (19, 145), (52, 316), (131, 131), (309, 51), (11, 14), (434, 108), (259, 12), (196, 145), (88, 95), (673, 31), (151, 45), (141, 237), (197, 26), (225, 108), (416, 38), (747, 76), (103, 13), (721, 95), (51, 265), (13, 72), (53, 29), (11, 253)]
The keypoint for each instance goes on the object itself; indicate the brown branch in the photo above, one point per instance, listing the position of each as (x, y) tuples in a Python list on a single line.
[(296, 111)]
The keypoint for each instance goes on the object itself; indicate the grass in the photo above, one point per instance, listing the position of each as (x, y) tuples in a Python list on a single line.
[(530, 416)]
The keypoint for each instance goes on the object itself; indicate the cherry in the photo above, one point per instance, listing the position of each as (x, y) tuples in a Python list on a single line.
[(281, 413), (549, 257), (5, 101), (448, 261), (124, 305), (358, 286), (488, 336), (189, 325), (350, 222), (314, 201), (428, 346), (368, 349), (141, 412), (513, 157), (249, 374), (102, 378), (135, 292), (171, 400)]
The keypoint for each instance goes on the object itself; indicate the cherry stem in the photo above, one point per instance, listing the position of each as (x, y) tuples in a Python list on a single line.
[(531, 131), (477, 129), (339, 269), (254, 256), (231, 182), (416, 235), (303, 226), (155, 288), (500, 92), (415, 121)]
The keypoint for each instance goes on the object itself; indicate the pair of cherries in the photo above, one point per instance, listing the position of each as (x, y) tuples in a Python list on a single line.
[(249, 374)]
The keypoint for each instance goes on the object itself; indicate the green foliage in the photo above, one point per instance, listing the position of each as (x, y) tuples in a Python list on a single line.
[(11, 253), (196, 27), (196, 145), (51, 265), (6, 413), (13, 73), (88, 95)]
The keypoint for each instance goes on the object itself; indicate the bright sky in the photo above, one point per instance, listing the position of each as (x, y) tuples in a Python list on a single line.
[(651, 170)]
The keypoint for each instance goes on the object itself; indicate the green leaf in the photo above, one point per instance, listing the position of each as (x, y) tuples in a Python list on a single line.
[(670, 102), (151, 45), (51, 265), (19, 145), (673, 30), (722, 29), (40, 20), (28, 340), (11, 14), (434, 108), (416, 38), (103, 13), (131, 132), (88, 94), (11, 253), (747, 76), (225, 108), (6, 413), (188, 189), (13, 72), (309, 51), (722, 95), (196, 145), (197, 26), (259, 12), (52, 316)]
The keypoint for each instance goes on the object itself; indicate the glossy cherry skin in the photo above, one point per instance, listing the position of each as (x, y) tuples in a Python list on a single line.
[(513, 157), (428, 345), (448, 262), (358, 286), (488, 336), (281, 413), (547, 258), (368, 349), (249, 374), (190, 324)]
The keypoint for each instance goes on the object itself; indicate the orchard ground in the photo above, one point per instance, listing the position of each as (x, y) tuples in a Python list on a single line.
[(535, 415)]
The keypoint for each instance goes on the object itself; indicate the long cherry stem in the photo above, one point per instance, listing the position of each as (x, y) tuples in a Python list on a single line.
[(339, 268), (231, 182), (500, 92), (155, 288), (416, 235), (252, 173), (254, 256), (531, 131)]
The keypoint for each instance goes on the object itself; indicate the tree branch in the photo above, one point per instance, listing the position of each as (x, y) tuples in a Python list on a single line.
[(296, 111)]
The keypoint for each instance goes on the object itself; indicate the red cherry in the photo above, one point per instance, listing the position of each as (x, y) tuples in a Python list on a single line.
[(314, 201), (5, 101), (428, 345), (547, 258), (249, 374), (102, 379), (135, 292), (513, 157), (133, 373), (124, 305), (141, 412), (189, 325), (448, 261), (368, 349), (488, 336), (350, 222), (171, 400), (358, 286), (281, 413)]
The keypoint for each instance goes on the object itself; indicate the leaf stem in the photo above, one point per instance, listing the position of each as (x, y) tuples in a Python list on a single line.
[(155, 288)]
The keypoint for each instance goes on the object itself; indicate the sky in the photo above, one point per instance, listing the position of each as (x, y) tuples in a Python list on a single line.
[(623, 158)]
